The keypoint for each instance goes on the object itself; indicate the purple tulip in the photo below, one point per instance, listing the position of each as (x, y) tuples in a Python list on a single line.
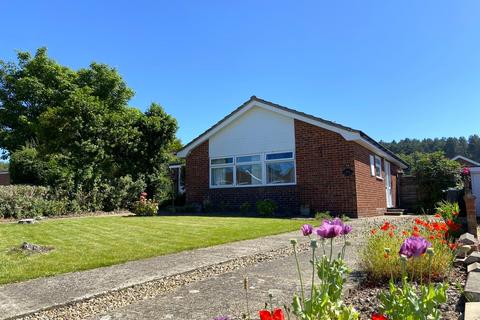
[(414, 247), (329, 230), (307, 229)]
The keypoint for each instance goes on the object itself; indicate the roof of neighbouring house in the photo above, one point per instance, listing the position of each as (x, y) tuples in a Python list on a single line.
[(346, 132), (473, 162)]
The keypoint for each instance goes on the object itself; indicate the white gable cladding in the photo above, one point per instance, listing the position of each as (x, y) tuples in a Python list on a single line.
[(257, 130)]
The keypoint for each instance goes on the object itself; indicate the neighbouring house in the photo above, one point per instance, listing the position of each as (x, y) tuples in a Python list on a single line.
[(4, 178), (304, 163), (475, 176), (466, 162)]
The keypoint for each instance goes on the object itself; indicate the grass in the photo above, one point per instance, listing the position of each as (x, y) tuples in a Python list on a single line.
[(91, 242)]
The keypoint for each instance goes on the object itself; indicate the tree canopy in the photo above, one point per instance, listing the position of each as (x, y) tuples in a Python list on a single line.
[(452, 146), (75, 130)]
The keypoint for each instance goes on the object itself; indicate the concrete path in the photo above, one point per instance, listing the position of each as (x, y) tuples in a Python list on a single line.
[(224, 294), (40, 294)]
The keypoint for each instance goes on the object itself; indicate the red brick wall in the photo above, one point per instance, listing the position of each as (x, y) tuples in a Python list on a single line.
[(196, 174), (4, 179), (371, 192), (322, 156)]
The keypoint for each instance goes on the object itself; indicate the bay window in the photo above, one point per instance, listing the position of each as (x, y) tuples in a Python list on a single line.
[(253, 170)]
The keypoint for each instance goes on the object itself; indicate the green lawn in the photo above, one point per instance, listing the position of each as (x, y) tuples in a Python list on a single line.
[(91, 242)]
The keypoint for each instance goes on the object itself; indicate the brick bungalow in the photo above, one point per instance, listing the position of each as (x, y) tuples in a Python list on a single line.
[(266, 151)]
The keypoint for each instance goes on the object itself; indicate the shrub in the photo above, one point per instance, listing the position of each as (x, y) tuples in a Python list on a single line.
[(380, 265), (145, 207), (266, 207), (322, 215), (24, 201), (434, 173), (245, 207)]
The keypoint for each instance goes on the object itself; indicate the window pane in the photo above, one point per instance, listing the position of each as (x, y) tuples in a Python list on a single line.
[(222, 176), (378, 167), (222, 161), (248, 174), (280, 172), (254, 158), (283, 155)]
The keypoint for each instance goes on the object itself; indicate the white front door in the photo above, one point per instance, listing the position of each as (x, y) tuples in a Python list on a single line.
[(388, 184), (475, 174)]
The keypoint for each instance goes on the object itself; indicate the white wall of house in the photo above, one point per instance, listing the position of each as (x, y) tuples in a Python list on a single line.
[(475, 175), (256, 131)]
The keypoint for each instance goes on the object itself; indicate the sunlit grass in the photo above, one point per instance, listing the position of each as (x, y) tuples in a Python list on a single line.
[(91, 242)]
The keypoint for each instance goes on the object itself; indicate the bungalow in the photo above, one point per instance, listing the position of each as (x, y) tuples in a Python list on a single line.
[(303, 163)]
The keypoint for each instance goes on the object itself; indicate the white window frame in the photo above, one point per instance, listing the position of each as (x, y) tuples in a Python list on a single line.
[(377, 158), (263, 161), (222, 165), (280, 160), (260, 162)]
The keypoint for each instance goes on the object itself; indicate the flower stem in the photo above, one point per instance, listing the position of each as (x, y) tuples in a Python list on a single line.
[(313, 273), (299, 275), (331, 248)]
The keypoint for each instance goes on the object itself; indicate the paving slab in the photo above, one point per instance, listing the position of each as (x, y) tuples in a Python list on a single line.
[(472, 311), (472, 287), (44, 293)]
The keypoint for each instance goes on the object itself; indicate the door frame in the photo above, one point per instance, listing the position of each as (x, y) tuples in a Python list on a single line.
[(388, 183)]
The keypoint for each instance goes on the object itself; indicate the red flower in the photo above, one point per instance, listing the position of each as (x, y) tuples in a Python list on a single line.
[(385, 226), (377, 316), (437, 216), (277, 314), (373, 231), (431, 237), (405, 233), (452, 246), (415, 228), (391, 234), (415, 234)]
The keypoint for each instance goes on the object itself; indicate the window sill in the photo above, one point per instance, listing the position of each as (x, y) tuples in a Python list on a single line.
[(254, 186), (379, 178)]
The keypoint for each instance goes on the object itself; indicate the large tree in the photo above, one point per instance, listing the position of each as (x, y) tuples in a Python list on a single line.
[(77, 126)]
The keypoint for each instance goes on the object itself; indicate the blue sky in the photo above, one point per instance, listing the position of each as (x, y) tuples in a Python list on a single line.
[(393, 69)]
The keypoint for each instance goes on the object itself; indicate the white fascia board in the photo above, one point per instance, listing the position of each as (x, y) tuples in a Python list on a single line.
[(466, 159), (347, 135), (474, 170)]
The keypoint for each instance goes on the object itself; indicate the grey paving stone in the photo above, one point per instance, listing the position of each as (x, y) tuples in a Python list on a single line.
[(472, 311), (472, 258), (472, 288), (474, 267), (467, 238)]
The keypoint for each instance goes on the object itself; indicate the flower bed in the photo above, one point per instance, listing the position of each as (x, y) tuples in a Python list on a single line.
[(416, 260)]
